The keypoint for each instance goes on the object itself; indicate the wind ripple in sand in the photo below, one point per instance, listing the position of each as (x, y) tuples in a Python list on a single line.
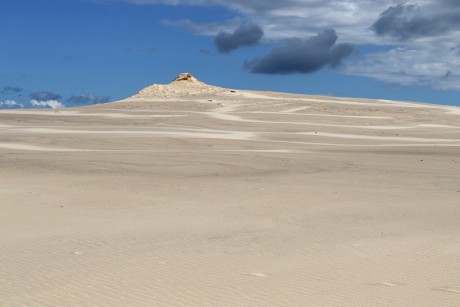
[(197, 133), (16, 146), (227, 135), (231, 117), (291, 112), (342, 101), (379, 138), (65, 113)]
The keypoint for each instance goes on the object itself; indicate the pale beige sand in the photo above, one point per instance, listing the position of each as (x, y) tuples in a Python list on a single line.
[(198, 196)]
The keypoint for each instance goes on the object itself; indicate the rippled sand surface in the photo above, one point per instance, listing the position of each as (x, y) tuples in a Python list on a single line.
[(225, 198)]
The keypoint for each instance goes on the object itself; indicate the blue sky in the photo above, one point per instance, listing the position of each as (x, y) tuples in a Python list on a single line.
[(75, 52)]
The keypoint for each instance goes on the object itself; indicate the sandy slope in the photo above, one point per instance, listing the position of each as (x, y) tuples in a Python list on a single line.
[(194, 195)]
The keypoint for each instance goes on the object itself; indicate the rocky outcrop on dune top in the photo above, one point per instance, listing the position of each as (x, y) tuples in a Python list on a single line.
[(183, 85)]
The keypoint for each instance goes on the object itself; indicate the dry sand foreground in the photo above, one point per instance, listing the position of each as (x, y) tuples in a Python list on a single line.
[(189, 195)]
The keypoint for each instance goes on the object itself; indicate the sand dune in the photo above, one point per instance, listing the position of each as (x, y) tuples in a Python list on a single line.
[(193, 195)]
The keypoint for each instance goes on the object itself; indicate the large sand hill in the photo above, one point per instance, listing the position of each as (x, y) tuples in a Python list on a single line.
[(192, 195)]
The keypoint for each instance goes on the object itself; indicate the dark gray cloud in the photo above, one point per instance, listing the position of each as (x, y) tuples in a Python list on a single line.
[(245, 35), (11, 90), (302, 56), (408, 21), (87, 99), (45, 96)]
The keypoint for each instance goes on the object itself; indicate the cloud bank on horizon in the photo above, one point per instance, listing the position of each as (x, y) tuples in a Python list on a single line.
[(418, 39), (47, 99)]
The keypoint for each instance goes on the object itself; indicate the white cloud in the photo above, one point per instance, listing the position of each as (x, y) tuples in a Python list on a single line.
[(53, 104), (422, 58), (10, 104), (211, 28), (352, 19), (435, 66), (296, 18)]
